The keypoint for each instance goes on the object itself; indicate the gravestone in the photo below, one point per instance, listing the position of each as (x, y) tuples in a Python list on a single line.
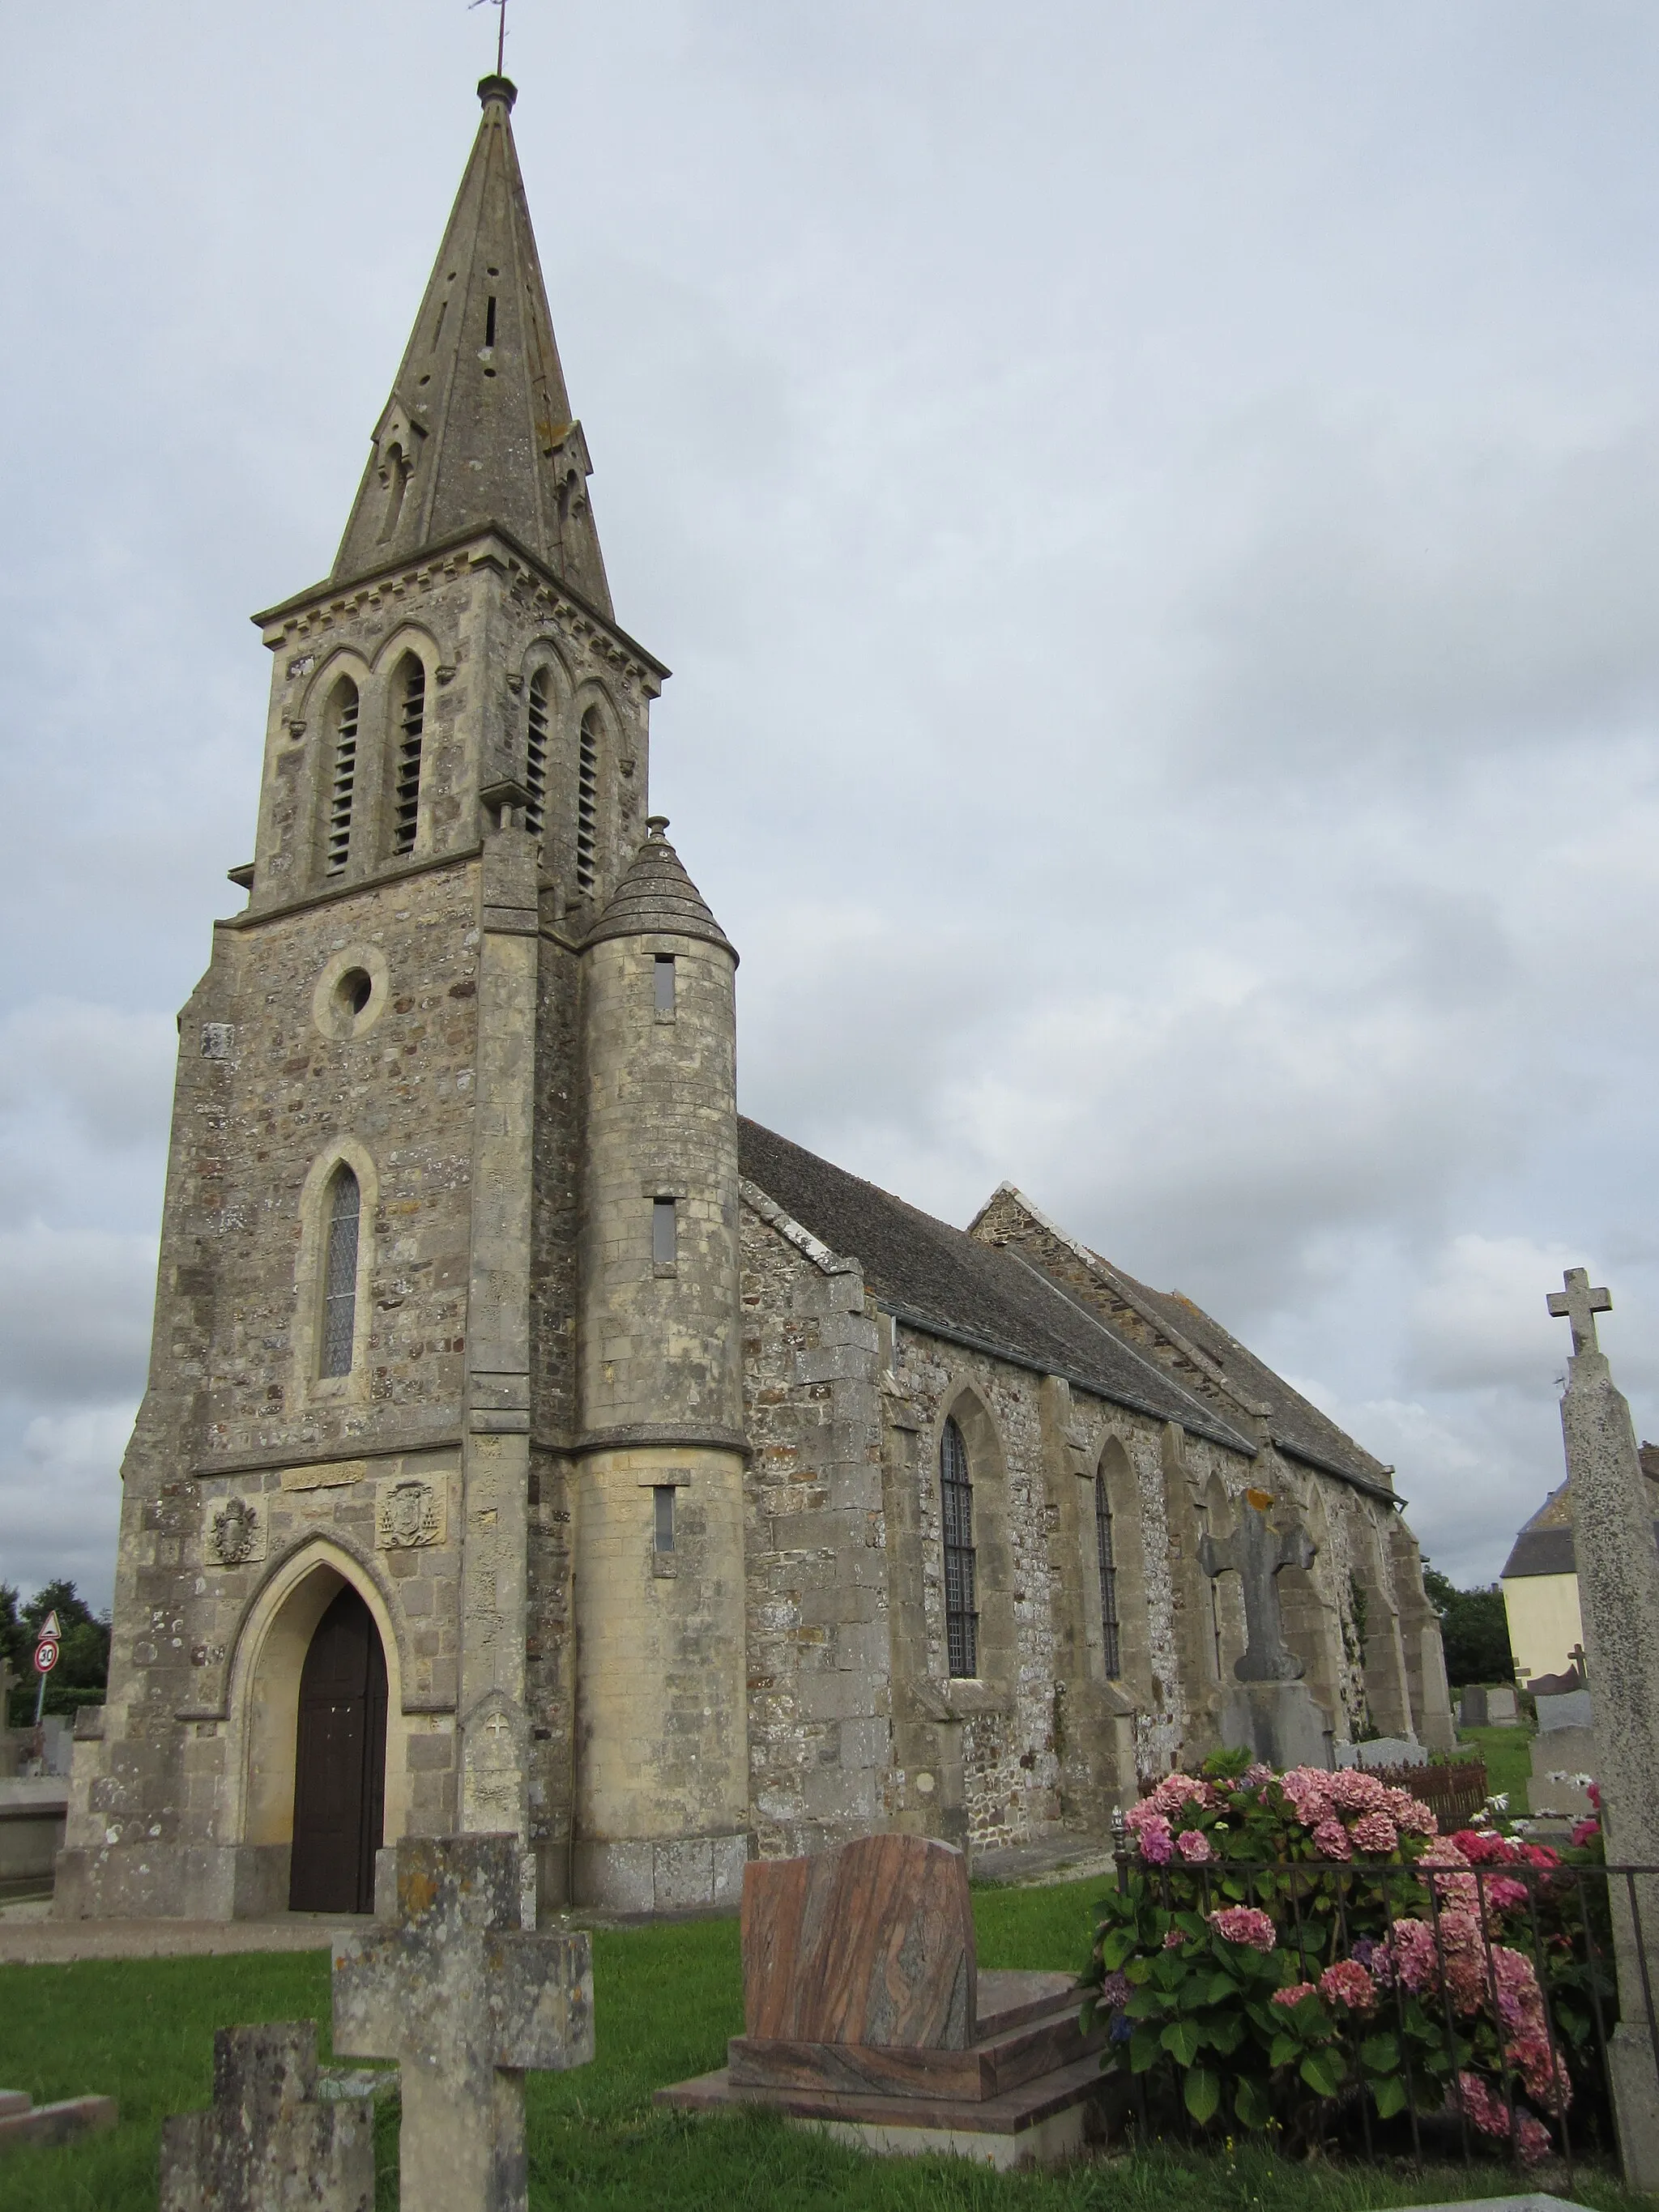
[(268, 2142), (1619, 1602), (1502, 1710), (865, 2014), (1272, 1711), (24, 2122), (467, 2001)]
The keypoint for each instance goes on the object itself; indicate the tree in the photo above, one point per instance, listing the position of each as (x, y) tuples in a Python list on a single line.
[(82, 1669), (1474, 1629)]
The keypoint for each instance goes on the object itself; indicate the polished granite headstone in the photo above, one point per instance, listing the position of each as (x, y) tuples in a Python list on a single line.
[(865, 2013)]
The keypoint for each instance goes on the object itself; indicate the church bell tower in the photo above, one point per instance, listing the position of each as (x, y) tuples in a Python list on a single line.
[(433, 1514)]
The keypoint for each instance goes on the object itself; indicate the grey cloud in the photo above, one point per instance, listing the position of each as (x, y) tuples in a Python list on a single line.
[(75, 1310)]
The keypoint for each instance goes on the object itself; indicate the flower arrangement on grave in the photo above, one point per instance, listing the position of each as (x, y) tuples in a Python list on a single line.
[(1287, 1945)]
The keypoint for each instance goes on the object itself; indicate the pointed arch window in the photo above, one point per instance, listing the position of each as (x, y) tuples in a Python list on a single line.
[(343, 779), (535, 754), (587, 801), (412, 726), (340, 1274), (1106, 1561), (957, 1499)]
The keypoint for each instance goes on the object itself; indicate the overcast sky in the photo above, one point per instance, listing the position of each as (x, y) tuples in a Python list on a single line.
[(1154, 513)]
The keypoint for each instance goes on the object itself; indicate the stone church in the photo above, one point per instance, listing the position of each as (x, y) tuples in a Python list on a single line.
[(531, 1444)]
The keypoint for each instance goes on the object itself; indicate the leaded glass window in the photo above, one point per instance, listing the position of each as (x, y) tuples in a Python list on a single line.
[(956, 1494), (340, 1275), (1108, 1566)]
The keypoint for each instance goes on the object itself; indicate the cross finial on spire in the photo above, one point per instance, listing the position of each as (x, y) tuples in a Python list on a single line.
[(1579, 1304), (500, 32)]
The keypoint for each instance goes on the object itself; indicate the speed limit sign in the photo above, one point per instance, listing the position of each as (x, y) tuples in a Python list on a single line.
[(46, 1656)]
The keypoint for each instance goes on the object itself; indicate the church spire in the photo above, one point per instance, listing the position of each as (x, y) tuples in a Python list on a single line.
[(478, 427)]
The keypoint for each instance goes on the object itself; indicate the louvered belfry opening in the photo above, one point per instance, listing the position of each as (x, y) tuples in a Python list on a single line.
[(587, 801), (340, 1275), (1108, 1564), (343, 783), (535, 754), (339, 1767), (956, 1494), (412, 726)]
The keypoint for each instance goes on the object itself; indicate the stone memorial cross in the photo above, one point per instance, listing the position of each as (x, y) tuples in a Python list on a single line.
[(1259, 1553), (268, 2143), (467, 2001), (1619, 1601)]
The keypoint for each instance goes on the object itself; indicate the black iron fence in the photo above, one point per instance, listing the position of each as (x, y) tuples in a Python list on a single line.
[(1480, 2021)]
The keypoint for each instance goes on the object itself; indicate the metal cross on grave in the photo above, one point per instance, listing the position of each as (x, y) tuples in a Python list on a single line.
[(1258, 1552), (466, 2001), (1579, 1304)]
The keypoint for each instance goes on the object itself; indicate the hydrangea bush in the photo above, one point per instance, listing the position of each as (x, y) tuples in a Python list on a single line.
[(1287, 1945)]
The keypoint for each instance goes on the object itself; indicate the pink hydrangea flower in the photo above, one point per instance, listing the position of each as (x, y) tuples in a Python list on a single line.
[(1156, 1841), (1347, 1983), (1332, 1840), (1114, 1989), (1174, 1940), (1294, 1994), (1244, 1924), (1375, 1831), (1351, 1789), (1409, 1814), (1193, 1846), (1505, 1894)]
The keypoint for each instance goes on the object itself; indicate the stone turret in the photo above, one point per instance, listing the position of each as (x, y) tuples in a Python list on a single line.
[(661, 1740)]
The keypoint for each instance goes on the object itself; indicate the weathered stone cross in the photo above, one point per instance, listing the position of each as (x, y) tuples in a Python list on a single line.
[(1579, 1304), (1259, 1553), (466, 2000)]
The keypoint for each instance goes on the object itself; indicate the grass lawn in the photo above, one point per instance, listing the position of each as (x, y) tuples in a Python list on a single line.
[(1508, 1754), (667, 1999)]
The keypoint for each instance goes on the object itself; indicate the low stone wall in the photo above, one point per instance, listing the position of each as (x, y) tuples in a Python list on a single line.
[(33, 1813)]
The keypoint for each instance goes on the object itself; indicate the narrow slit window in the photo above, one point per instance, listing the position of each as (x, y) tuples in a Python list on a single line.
[(1108, 1564), (956, 1495), (398, 467), (665, 982), (340, 1275), (663, 1498), (489, 321), (344, 781), (663, 1227), (412, 726), (587, 801), (535, 754)]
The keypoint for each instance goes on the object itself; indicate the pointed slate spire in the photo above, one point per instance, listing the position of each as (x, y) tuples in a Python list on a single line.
[(656, 897), (478, 427)]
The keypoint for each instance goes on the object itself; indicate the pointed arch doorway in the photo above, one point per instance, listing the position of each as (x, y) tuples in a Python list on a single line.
[(339, 1766)]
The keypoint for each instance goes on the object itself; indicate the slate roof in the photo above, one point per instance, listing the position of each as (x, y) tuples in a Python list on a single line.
[(1545, 1545), (1295, 1425), (940, 1279)]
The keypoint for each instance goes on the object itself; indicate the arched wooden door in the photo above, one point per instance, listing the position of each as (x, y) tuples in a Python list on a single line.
[(339, 1769)]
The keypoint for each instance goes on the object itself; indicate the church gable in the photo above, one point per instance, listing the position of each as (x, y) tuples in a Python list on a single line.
[(1186, 1339)]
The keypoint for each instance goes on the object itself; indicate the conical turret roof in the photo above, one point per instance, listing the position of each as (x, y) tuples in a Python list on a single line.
[(478, 427), (657, 897)]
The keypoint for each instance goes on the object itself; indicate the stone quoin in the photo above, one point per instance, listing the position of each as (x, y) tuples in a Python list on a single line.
[(531, 1445)]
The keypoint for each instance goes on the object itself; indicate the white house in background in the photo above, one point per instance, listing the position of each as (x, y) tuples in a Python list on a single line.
[(1540, 1582)]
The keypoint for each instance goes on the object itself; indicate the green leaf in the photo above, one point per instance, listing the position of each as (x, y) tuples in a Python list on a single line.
[(1381, 2053), (1252, 2104), (1227, 2033), (1116, 1948), (1203, 2095), (1184, 2038), (1145, 2051), (1223, 1989), (1390, 2095), (1285, 2048), (1322, 2071)]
